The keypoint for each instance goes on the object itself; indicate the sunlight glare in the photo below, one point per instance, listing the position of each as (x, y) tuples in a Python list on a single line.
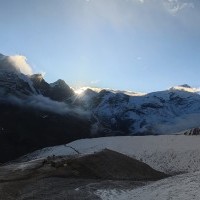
[(79, 91)]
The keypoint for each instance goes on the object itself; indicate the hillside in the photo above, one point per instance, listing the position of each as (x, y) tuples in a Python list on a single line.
[(61, 177), (175, 154), (169, 153)]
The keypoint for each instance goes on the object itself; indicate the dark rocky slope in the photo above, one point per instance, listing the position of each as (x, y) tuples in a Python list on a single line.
[(25, 129), (112, 165), (58, 91), (193, 131)]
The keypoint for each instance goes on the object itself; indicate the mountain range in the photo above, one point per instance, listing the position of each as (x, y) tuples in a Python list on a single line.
[(36, 114), (163, 112)]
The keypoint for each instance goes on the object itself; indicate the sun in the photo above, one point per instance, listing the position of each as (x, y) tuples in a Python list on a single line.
[(79, 91)]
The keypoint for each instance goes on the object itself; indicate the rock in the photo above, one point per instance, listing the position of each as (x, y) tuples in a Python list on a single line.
[(193, 131)]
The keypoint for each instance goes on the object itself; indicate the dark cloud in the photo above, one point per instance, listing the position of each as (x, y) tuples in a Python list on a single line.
[(44, 103)]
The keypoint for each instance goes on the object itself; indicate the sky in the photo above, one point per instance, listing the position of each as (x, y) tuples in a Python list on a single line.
[(136, 45)]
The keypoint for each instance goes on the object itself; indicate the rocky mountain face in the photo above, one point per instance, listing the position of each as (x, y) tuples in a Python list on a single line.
[(17, 84), (163, 112), (25, 129), (34, 115), (58, 91), (193, 131), (13, 82)]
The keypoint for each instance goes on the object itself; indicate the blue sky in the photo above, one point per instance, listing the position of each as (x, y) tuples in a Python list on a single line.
[(138, 45)]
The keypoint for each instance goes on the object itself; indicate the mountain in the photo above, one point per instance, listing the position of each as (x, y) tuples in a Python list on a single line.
[(36, 114), (18, 84), (24, 129), (162, 112), (15, 83), (33, 113), (58, 91)]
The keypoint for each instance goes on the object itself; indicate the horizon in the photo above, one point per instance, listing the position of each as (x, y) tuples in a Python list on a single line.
[(18, 63), (132, 45)]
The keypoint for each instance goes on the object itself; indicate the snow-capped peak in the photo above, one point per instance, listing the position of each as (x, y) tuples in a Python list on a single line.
[(186, 88), (82, 90)]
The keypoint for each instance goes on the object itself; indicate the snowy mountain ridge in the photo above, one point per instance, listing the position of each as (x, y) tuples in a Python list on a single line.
[(113, 112), (162, 112), (185, 87), (116, 112)]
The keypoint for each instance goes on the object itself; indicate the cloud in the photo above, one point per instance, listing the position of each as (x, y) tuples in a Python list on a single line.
[(95, 81), (46, 104), (181, 123), (16, 63), (145, 14), (174, 6)]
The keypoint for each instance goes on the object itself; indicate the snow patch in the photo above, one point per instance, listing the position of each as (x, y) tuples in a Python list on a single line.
[(181, 187)]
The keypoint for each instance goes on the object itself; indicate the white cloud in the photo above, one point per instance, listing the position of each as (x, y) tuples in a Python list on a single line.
[(174, 6), (46, 104), (20, 62), (16, 62), (95, 81), (135, 13)]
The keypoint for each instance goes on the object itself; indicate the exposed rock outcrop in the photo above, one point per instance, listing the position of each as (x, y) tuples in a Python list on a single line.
[(193, 131)]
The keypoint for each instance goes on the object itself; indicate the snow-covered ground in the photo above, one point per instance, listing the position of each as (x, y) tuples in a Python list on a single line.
[(181, 187), (168, 153)]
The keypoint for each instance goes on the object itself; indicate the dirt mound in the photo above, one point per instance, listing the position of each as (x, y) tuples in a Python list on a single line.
[(109, 164), (106, 164), (73, 177)]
